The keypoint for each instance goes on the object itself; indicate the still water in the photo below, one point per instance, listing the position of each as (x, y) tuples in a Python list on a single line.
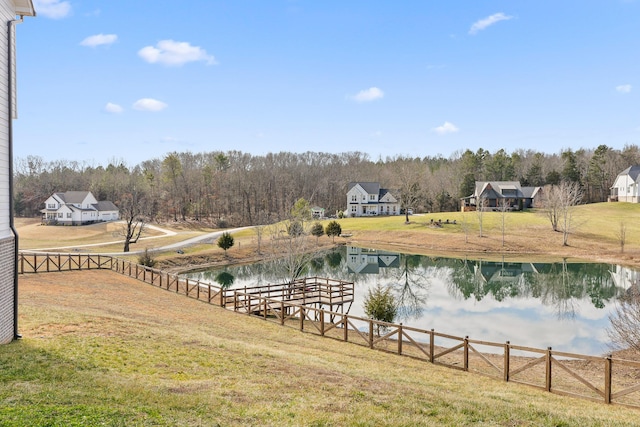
[(561, 305)]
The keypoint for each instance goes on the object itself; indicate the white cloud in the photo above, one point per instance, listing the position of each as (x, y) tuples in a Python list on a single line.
[(446, 128), (54, 9), (623, 88), (99, 39), (376, 134), (169, 52), (149, 104), (113, 108), (488, 21), (368, 95)]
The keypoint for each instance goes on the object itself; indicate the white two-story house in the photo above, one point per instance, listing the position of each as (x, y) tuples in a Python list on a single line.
[(368, 198), (77, 208), (626, 187)]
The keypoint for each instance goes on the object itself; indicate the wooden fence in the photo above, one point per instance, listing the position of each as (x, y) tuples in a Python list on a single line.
[(603, 379)]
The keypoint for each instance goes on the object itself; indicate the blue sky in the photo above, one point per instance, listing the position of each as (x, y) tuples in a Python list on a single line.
[(133, 80)]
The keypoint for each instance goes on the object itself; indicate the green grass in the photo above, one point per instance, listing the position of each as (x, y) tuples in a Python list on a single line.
[(156, 358)]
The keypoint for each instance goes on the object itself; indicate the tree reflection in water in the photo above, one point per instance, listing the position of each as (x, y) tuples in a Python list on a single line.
[(561, 285)]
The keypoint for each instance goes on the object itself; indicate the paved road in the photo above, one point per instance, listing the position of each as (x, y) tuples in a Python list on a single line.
[(205, 238)]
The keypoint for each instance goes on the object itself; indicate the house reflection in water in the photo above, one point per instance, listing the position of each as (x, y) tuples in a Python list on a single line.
[(505, 272), (369, 261)]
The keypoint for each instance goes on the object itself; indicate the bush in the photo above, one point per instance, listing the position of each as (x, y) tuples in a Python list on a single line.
[(333, 229), (225, 241), (295, 229), (146, 259), (317, 230), (381, 305)]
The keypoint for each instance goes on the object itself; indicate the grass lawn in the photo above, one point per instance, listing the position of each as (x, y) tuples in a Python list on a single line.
[(103, 349)]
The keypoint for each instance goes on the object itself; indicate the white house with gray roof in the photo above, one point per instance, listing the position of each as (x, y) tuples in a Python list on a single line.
[(77, 208), (368, 198), (626, 187)]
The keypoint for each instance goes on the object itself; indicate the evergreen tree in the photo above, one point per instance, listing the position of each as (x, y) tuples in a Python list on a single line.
[(333, 229), (225, 242)]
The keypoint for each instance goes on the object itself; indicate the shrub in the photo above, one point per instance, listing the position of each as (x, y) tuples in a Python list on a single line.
[(317, 230), (146, 259), (333, 229), (381, 305), (225, 241)]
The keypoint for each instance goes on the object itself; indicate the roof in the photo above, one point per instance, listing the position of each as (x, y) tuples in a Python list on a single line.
[(632, 171), (105, 205), (24, 7), (495, 192), (73, 196), (369, 187)]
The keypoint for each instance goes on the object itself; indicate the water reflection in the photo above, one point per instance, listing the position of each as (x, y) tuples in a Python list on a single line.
[(538, 304)]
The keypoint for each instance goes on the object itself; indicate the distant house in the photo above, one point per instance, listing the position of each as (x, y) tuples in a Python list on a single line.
[(77, 208), (495, 194), (626, 187), (317, 212), (368, 198)]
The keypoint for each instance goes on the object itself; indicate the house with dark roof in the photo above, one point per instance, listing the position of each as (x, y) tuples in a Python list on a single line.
[(494, 195), (77, 208), (626, 187), (368, 198)]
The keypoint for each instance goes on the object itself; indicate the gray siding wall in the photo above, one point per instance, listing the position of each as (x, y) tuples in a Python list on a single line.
[(7, 240)]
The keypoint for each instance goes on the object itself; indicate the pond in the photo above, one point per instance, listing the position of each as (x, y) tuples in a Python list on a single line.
[(564, 305)]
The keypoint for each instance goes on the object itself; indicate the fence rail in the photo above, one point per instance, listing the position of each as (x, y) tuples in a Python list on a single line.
[(602, 379)]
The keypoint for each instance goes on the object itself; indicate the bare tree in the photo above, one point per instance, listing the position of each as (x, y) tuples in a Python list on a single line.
[(290, 251), (131, 207), (622, 235), (504, 208), (482, 200), (465, 225), (624, 330), (558, 203)]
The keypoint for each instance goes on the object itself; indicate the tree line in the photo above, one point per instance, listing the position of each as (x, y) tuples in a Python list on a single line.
[(234, 188)]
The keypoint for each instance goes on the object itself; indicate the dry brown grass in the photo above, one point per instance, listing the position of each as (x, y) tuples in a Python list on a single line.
[(102, 348)]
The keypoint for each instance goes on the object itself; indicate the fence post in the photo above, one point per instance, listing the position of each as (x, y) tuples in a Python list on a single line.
[(548, 369), (507, 359), (265, 309), (282, 312), (322, 323), (345, 325), (235, 301), (432, 346), (466, 353), (400, 339), (607, 378), (370, 333)]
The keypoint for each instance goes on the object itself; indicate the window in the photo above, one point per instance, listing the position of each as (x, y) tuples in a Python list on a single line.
[(364, 198), (353, 209), (51, 206), (59, 214), (354, 198), (68, 214), (372, 196)]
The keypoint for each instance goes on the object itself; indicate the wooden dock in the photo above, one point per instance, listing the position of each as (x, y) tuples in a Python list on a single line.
[(317, 292)]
